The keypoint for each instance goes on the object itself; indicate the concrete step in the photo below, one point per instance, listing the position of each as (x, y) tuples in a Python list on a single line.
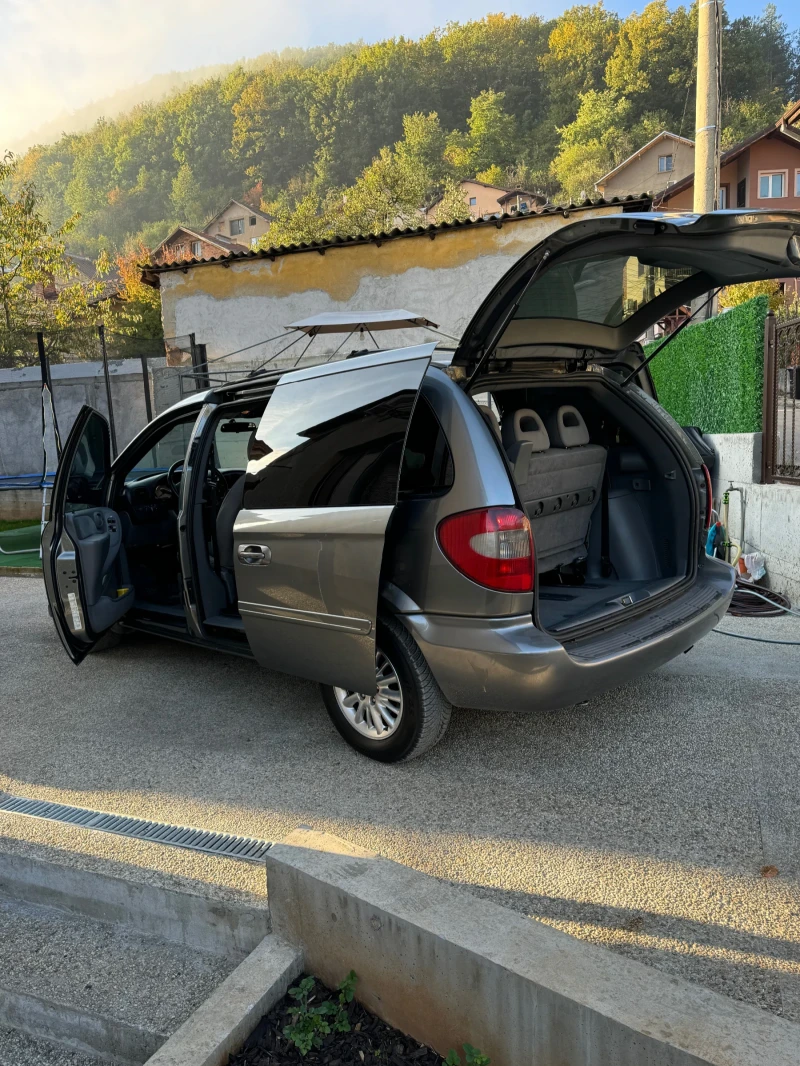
[(70, 978), (19, 1049)]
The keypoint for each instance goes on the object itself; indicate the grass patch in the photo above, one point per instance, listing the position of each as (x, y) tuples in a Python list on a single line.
[(17, 523)]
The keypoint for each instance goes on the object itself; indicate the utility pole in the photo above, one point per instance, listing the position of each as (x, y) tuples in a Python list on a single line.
[(706, 151), (707, 118)]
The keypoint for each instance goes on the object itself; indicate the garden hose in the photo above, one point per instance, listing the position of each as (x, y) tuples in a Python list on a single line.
[(770, 605), (748, 602)]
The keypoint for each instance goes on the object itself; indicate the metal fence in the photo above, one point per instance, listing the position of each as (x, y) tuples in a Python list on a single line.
[(781, 439)]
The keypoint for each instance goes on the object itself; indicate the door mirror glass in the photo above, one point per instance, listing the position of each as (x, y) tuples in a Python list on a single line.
[(86, 482)]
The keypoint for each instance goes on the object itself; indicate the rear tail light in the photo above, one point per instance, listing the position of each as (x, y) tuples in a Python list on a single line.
[(709, 496), (492, 546)]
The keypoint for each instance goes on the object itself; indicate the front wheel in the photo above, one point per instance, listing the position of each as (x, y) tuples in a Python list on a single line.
[(406, 716)]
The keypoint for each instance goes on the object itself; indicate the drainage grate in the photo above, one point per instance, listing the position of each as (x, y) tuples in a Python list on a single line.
[(177, 836)]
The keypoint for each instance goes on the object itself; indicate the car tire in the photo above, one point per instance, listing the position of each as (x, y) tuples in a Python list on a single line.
[(425, 711)]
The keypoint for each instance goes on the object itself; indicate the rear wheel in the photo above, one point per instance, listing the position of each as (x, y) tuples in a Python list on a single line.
[(406, 716)]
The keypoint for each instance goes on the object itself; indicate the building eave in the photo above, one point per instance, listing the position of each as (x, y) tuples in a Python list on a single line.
[(639, 202)]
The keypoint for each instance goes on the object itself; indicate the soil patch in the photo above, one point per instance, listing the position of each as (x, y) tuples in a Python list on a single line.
[(370, 1041)]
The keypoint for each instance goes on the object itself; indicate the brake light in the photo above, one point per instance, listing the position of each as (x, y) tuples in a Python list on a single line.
[(492, 546), (709, 496)]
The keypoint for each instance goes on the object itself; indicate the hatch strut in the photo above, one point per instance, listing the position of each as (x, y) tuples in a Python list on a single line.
[(509, 315), (671, 337)]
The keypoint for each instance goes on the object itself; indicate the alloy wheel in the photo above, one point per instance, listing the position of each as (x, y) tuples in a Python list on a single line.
[(375, 716)]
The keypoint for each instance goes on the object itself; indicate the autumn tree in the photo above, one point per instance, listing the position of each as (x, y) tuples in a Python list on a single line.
[(40, 287)]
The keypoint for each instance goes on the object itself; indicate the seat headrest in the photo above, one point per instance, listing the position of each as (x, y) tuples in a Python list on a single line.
[(525, 425), (567, 428), (489, 417)]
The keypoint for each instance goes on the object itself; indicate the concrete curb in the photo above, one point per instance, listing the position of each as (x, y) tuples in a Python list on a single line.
[(221, 927), (446, 967), (81, 1030), (20, 571), (220, 1026)]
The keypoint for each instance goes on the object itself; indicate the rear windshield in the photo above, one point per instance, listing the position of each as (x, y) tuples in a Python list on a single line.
[(606, 289)]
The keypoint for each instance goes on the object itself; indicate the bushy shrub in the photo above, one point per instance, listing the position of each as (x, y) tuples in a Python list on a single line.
[(712, 375)]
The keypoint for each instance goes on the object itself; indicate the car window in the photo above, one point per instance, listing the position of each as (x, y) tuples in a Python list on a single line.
[(165, 451), (231, 440), (335, 442), (427, 466), (606, 289), (87, 475)]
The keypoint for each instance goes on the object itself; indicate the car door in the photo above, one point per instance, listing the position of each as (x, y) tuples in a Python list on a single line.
[(83, 559), (321, 487)]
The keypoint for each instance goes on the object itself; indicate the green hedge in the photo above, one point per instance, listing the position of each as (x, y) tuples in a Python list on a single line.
[(712, 375)]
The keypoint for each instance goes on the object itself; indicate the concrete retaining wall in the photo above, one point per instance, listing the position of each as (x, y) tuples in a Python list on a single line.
[(771, 512), (448, 968), (74, 384)]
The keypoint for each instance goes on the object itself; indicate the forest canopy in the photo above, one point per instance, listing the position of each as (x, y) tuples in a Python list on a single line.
[(352, 137)]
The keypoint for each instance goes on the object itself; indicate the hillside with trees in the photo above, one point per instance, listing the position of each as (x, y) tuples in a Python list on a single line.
[(356, 138)]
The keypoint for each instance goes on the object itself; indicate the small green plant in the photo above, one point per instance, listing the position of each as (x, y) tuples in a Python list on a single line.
[(472, 1057), (310, 1023)]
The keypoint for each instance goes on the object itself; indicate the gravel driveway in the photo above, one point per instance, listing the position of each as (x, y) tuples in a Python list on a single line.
[(641, 821)]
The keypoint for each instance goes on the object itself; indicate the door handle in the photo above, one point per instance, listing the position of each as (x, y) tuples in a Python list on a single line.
[(254, 554)]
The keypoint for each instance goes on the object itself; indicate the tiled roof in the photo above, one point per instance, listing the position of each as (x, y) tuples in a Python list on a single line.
[(639, 202)]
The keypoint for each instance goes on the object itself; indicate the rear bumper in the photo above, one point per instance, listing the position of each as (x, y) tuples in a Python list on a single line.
[(507, 664)]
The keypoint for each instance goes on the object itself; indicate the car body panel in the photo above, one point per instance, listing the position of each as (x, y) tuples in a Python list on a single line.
[(308, 545), (507, 664)]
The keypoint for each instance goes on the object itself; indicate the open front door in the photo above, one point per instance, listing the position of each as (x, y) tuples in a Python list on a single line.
[(85, 572), (320, 491)]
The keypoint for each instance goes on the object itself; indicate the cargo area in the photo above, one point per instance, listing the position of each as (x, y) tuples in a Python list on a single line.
[(608, 497)]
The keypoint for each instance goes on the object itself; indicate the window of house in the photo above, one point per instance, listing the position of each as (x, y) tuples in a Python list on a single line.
[(197, 249), (180, 250), (722, 197), (772, 185), (664, 164), (741, 193), (237, 226), (253, 242), (473, 201), (252, 220), (523, 206), (797, 183)]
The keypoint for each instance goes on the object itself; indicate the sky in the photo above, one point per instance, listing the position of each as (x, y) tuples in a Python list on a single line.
[(59, 56)]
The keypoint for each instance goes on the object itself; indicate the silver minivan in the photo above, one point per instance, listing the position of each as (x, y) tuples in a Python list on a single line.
[(515, 525)]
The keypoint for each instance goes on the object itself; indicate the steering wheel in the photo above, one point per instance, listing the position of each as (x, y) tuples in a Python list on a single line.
[(214, 477), (174, 475)]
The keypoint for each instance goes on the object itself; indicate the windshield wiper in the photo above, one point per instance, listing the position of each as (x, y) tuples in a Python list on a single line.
[(671, 337)]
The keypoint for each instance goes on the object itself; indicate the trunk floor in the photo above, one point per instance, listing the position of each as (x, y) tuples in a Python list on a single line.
[(566, 603)]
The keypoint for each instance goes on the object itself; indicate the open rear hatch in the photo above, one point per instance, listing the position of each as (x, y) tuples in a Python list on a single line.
[(599, 284), (613, 489)]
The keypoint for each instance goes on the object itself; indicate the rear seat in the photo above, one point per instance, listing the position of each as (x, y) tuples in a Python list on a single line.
[(559, 475)]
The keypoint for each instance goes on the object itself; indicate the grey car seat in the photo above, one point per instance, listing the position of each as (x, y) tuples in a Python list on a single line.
[(559, 476), (489, 417)]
